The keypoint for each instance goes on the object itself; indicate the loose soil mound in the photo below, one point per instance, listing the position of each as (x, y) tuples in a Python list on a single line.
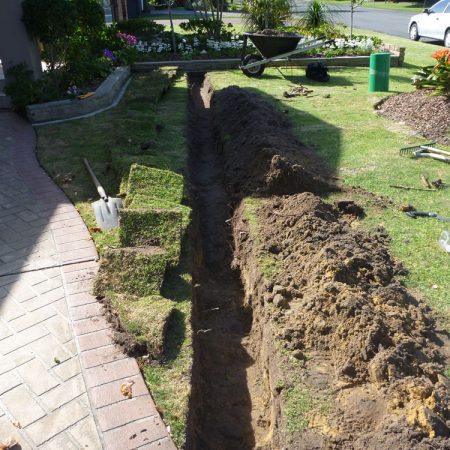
[(336, 294), (259, 151), (428, 114)]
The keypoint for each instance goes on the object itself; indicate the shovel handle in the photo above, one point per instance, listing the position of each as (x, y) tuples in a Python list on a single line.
[(99, 187)]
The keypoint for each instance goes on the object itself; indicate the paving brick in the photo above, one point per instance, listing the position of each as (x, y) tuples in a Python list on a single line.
[(72, 237), (20, 290), (8, 381), (118, 414), (71, 347), (112, 371), (86, 311), (80, 275), (32, 318), (86, 434), (63, 224), (62, 308), (109, 393), (95, 340), (48, 285), (9, 430), (11, 309), (136, 434), (71, 246), (23, 407), (15, 359), (60, 328), (67, 369), (18, 340), (5, 331), (90, 325), (48, 348), (37, 377), (44, 299), (60, 442), (80, 299), (101, 355), (80, 266), (78, 228), (64, 393), (59, 420), (161, 444), (78, 255), (27, 216), (79, 286)]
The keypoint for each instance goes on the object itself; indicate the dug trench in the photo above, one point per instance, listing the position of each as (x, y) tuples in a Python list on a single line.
[(327, 350)]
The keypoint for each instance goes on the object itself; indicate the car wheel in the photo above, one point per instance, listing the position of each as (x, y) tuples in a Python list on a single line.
[(447, 39), (414, 32), (255, 71)]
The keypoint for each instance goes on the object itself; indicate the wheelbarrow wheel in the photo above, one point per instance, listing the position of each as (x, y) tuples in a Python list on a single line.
[(256, 71)]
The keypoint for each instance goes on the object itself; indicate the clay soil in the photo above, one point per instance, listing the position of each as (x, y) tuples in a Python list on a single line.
[(332, 319), (425, 113)]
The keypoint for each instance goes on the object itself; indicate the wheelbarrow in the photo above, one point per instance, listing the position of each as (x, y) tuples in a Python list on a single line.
[(272, 48)]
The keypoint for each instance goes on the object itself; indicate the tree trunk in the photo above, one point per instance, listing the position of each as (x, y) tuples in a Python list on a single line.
[(172, 31)]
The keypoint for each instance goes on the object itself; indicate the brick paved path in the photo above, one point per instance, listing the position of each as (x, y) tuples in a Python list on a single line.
[(60, 373)]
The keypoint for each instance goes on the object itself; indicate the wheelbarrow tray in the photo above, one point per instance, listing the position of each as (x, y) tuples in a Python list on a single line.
[(270, 46)]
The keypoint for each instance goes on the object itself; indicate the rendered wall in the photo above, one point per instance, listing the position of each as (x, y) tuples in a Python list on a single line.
[(15, 45)]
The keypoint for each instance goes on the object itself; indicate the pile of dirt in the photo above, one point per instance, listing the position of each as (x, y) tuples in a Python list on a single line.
[(426, 113), (335, 294), (260, 153)]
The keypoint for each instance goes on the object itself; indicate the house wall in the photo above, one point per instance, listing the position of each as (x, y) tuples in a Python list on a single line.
[(15, 45)]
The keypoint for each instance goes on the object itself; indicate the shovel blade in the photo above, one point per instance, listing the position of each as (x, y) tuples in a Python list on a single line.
[(107, 212)]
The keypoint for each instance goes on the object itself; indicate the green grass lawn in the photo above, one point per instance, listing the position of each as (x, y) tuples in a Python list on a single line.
[(412, 7), (339, 121)]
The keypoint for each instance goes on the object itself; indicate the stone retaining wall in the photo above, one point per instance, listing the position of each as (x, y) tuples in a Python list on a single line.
[(104, 96)]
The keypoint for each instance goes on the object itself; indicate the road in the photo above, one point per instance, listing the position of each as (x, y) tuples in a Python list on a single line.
[(381, 20)]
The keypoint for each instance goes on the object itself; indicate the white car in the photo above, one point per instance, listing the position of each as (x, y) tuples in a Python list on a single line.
[(433, 23)]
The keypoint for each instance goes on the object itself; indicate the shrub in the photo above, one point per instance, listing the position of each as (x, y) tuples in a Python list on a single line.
[(52, 22), (317, 15), (204, 28), (90, 15), (436, 77), (24, 90), (261, 14), (145, 29)]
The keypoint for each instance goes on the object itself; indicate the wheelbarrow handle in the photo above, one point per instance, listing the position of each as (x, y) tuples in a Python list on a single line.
[(99, 187)]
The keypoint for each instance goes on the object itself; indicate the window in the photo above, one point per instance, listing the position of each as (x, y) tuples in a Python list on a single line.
[(439, 7)]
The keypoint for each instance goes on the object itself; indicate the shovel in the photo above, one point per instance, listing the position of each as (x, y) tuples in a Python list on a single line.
[(106, 209)]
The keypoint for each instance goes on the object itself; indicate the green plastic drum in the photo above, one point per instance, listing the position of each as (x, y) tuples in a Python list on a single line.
[(380, 64)]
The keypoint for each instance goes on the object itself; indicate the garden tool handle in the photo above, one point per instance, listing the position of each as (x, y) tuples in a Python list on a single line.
[(435, 150), (434, 156), (99, 187)]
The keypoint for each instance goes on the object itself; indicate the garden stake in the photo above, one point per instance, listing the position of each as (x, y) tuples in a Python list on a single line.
[(106, 209)]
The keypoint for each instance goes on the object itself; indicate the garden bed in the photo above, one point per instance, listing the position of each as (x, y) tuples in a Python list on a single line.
[(422, 111), (107, 94)]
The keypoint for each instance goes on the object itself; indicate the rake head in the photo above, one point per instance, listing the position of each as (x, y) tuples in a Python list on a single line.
[(411, 151)]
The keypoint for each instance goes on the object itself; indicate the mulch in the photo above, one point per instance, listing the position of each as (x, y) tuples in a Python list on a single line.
[(426, 113)]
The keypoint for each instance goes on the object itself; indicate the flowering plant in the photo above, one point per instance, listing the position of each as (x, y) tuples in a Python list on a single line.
[(109, 54), (435, 77), (129, 39)]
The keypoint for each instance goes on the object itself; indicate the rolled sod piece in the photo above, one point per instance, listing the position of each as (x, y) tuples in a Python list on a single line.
[(138, 271), (154, 227), (145, 319), (142, 201), (155, 183)]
